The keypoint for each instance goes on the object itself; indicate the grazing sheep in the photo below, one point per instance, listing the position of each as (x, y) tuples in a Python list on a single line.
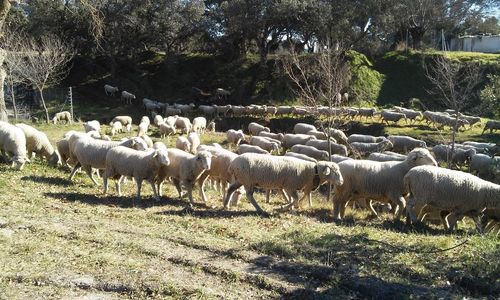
[(244, 148), (183, 124), (328, 146), (62, 116), (409, 113), (194, 140), (299, 111), (301, 156), (484, 166), (170, 111), (90, 153), (209, 111), (142, 129), (492, 125), (185, 169), (38, 143), (157, 120), (364, 149), (404, 144), (363, 138), (456, 192), (303, 128), (350, 112), (380, 181), (117, 127), (392, 116), (110, 90), (199, 125), (93, 125), (170, 120), (276, 136), (211, 127), (255, 128), (183, 144), (338, 158), (265, 143), (318, 134), (290, 140), (235, 136), (338, 135), (366, 112), (484, 147), (166, 130), (279, 173), (140, 165), (125, 120), (284, 110), (311, 152), (147, 140), (127, 97), (386, 157), (13, 143)]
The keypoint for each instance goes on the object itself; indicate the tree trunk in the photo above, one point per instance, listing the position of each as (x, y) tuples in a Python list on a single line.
[(13, 97), (3, 107), (112, 66), (44, 105), (453, 138), (417, 35)]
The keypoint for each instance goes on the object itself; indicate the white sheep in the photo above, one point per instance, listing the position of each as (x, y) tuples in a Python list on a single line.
[(90, 153), (279, 173), (303, 128), (13, 143), (157, 120), (404, 144), (364, 149), (199, 125), (393, 116), (301, 156), (140, 165), (483, 147), (166, 130), (62, 116), (159, 146), (290, 140), (142, 129), (183, 144), (117, 127), (38, 143), (386, 157), (380, 181), (276, 136), (364, 138), (318, 134), (284, 110), (170, 120), (127, 97), (255, 128), (185, 169), (492, 125), (125, 120), (194, 140), (93, 125), (211, 127), (245, 148), (328, 146), (110, 90), (366, 112), (484, 166), (456, 192), (235, 136), (183, 124), (269, 145), (338, 158), (338, 135), (147, 140), (311, 152)]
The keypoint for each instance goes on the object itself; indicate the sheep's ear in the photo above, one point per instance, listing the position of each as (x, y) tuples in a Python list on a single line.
[(155, 154), (326, 171)]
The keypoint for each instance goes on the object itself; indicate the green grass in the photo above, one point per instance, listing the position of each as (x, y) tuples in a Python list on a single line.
[(60, 239)]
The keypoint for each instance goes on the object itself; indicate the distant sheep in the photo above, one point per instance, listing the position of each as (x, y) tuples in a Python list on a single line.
[(244, 148), (127, 97), (183, 124), (62, 116), (363, 138), (234, 137), (125, 120), (117, 127), (211, 127), (255, 128), (329, 147), (404, 144), (364, 149), (303, 128), (93, 125), (166, 130), (311, 152), (199, 125), (264, 143), (289, 140), (183, 144), (392, 116), (110, 90), (276, 136), (491, 125)]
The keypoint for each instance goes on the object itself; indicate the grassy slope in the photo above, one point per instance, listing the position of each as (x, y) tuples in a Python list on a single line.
[(61, 239)]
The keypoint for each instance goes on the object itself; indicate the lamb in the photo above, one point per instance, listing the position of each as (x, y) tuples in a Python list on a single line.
[(338, 135), (93, 125), (456, 192), (199, 125), (13, 143), (117, 127), (255, 128), (303, 128), (386, 157), (264, 143), (184, 124), (211, 127), (183, 144), (380, 181), (311, 152), (279, 172), (38, 143), (276, 136), (125, 120), (62, 116), (244, 148), (364, 149), (404, 144), (492, 125), (484, 165), (127, 97), (142, 129), (363, 138), (110, 90), (387, 116), (166, 130), (194, 140), (234, 136), (290, 140), (141, 165), (157, 120), (328, 146), (90, 153), (185, 169)]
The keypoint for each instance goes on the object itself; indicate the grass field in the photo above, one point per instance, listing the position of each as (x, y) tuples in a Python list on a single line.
[(60, 239)]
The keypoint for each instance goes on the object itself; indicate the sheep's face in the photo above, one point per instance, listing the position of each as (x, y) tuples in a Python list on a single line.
[(162, 156), (275, 147), (55, 159), (204, 160), (18, 162), (420, 157), (139, 144), (330, 172)]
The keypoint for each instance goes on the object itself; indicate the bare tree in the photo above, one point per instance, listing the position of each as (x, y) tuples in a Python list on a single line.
[(454, 84), (46, 64), (4, 9)]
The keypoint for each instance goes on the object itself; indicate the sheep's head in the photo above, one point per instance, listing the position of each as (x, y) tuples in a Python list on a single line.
[(266, 129), (138, 143), (55, 159), (330, 171), (54, 120), (422, 144), (386, 145), (275, 148), (204, 160), (19, 161), (161, 156), (420, 157)]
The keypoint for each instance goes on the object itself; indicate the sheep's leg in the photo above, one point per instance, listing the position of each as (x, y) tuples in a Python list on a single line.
[(105, 182), (155, 191), (177, 186), (118, 185), (451, 221), (138, 182), (285, 196), (88, 170), (250, 198), (201, 181), (423, 213), (400, 206), (189, 188), (294, 200), (369, 204), (309, 197), (75, 168), (230, 191), (268, 196)]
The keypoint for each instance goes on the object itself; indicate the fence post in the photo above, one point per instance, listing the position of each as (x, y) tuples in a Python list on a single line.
[(71, 102)]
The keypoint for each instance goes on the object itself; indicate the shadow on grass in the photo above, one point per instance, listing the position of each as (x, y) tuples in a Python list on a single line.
[(209, 212), (47, 180)]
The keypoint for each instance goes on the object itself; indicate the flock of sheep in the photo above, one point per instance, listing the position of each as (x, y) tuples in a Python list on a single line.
[(398, 173)]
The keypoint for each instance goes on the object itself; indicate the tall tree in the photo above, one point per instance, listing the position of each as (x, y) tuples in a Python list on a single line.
[(4, 9)]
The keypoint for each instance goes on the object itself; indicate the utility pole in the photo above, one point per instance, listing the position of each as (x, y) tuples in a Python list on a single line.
[(71, 102)]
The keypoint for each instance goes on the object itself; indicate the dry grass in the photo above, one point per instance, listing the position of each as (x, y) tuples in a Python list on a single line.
[(66, 240)]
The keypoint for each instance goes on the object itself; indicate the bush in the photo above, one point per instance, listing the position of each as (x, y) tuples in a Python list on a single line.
[(490, 96), (366, 82)]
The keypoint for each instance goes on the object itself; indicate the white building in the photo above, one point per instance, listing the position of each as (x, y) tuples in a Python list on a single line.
[(476, 43)]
